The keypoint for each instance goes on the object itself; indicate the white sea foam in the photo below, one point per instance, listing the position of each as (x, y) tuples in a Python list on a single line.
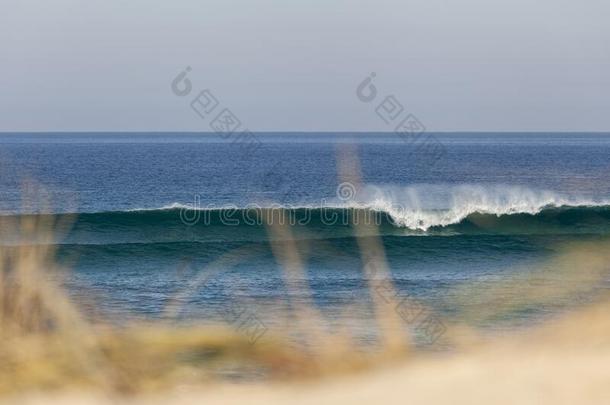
[(423, 207)]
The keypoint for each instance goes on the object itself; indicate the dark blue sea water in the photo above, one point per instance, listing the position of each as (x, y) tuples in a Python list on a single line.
[(466, 225)]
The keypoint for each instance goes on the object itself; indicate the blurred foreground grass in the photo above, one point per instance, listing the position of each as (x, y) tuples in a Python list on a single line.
[(48, 345)]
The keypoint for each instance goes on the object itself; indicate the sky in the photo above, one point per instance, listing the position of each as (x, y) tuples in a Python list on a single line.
[(470, 65)]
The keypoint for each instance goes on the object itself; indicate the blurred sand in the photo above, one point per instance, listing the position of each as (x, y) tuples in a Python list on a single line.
[(566, 362)]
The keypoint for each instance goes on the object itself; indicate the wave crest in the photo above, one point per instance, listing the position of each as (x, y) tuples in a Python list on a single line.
[(420, 208), (425, 207)]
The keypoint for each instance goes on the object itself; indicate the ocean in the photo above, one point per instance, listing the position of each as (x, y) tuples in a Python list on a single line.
[(176, 224)]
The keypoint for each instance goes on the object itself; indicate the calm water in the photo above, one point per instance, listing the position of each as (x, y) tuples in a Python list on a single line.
[(487, 209)]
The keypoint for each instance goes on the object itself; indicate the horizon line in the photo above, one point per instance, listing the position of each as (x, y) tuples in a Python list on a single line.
[(277, 132)]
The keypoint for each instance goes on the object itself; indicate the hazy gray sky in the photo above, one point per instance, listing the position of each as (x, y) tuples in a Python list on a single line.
[(295, 65)]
